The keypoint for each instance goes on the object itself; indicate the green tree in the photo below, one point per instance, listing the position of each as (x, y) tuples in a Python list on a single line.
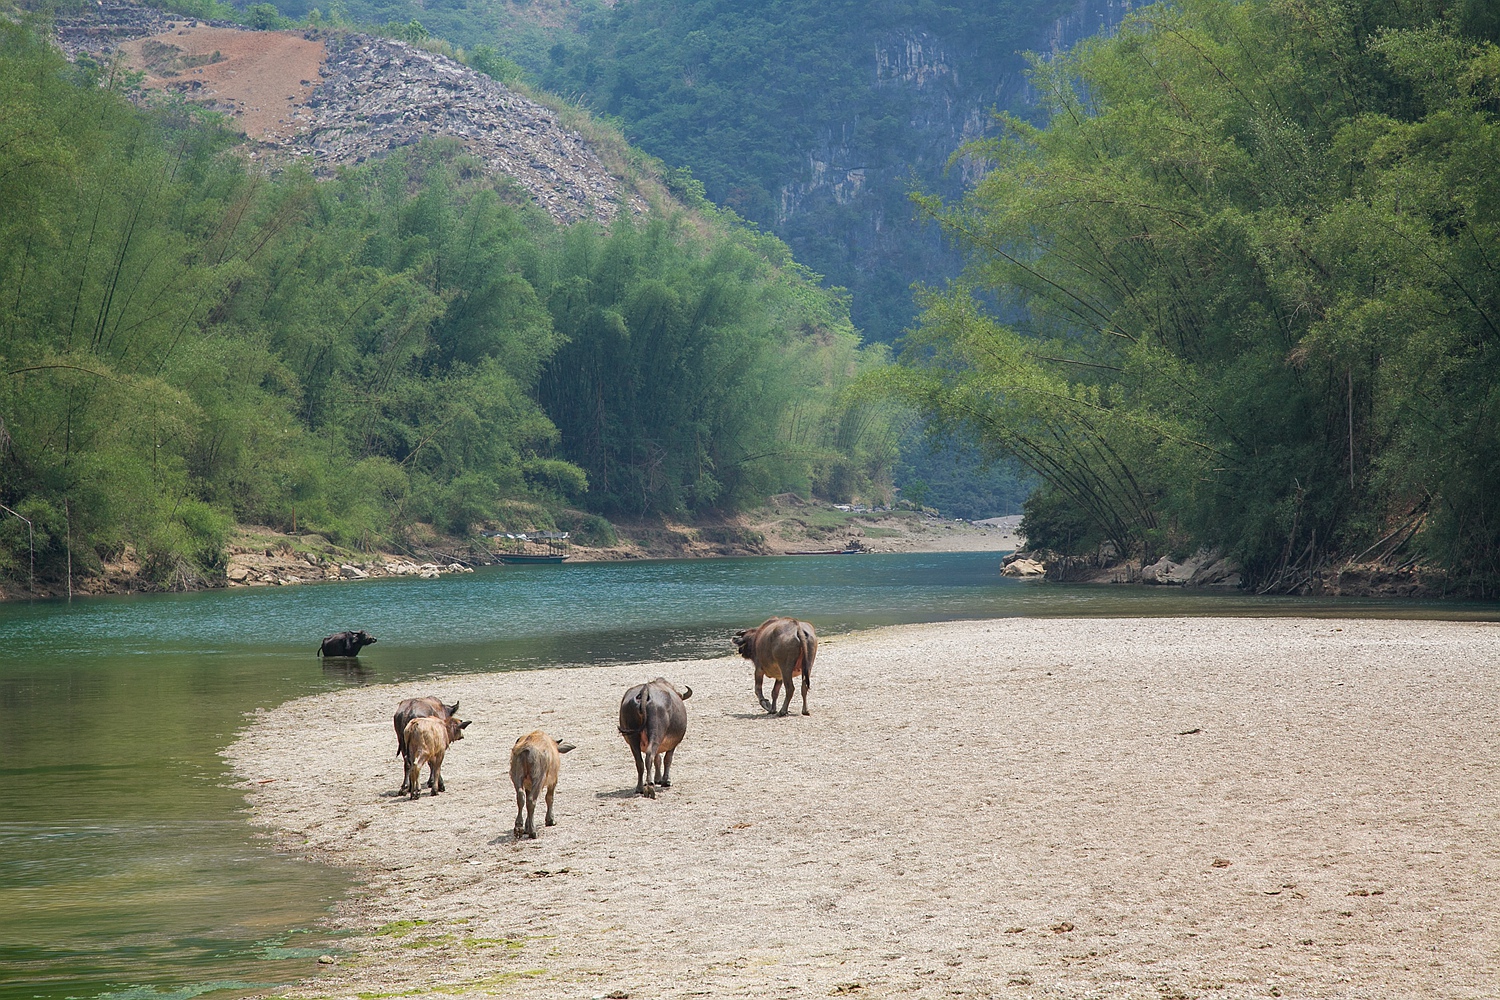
[(1255, 257)]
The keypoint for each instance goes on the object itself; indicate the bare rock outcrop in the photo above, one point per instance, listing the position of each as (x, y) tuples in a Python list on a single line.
[(100, 28), (370, 96), (379, 94)]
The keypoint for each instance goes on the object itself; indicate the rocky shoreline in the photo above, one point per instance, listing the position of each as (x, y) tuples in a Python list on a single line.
[(1211, 569), (260, 556)]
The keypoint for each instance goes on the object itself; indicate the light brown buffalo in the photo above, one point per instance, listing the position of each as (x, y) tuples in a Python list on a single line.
[(534, 763), (415, 708), (780, 648), (427, 739)]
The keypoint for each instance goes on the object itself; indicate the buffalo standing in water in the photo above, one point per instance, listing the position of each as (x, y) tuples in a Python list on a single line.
[(346, 643), (781, 648), (653, 720)]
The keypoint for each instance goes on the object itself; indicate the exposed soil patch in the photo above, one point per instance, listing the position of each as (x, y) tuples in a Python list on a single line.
[(337, 98), (262, 77), (790, 524), (1021, 808)]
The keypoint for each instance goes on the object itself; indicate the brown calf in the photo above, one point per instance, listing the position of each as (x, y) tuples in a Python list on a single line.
[(534, 763), (428, 739), (781, 648), (416, 708)]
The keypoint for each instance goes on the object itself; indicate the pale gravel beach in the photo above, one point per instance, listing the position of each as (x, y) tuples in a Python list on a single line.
[(1146, 808)]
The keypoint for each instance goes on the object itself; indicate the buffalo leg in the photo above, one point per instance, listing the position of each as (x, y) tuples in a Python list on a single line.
[(531, 814), (760, 691), (520, 808), (550, 820), (666, 773), (806, 683), (653, 771), (414, 778), (640, 769), (787, 705)]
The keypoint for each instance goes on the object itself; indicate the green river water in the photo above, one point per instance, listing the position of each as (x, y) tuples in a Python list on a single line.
[(127, 867)]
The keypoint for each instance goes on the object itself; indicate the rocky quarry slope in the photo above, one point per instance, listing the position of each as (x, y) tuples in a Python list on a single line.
[(340, 98)]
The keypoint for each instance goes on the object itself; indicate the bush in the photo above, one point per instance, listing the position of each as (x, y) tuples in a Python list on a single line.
[(731, 534), (588, 529), (265, 17), (1053, 521), (555, 476)]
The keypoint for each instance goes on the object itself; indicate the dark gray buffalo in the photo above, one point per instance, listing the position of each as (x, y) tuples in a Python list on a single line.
[(653, 720), (416, 708), (346, 643), (781, 648)]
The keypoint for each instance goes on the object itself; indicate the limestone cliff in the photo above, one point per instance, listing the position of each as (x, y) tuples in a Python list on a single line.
[(846, 212)]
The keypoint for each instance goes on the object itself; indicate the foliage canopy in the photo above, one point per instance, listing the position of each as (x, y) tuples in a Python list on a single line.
[(1254, 248), (186, 342)]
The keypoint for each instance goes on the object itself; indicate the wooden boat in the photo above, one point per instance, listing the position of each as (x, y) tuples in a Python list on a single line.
[(529, 547), (827, 552)]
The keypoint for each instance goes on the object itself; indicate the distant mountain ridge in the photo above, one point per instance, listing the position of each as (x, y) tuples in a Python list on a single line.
[(817, 120)]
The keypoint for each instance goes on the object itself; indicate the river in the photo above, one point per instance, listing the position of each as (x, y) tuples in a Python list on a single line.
[(127, 868)]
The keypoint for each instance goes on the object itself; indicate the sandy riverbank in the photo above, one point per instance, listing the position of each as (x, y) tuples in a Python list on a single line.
[(1181, 808)]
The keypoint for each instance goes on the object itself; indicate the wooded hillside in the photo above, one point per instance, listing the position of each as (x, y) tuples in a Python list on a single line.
[(186, 341), (1256, 248)]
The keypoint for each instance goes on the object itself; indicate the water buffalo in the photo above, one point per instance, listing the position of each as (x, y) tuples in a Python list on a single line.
[(781, 648), (346, 643), (428, 740), (653, 720), (416, 708), (534, 763)]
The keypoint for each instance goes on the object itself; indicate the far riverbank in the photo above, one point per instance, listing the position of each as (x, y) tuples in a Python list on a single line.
[(258, 556)]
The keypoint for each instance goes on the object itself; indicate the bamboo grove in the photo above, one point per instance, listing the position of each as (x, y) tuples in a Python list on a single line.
[(187, 342), (1241, 289)]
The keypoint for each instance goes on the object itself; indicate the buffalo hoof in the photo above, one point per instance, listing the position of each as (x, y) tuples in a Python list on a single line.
[(782, 713), (649, 791), (806, 712), (519, 833), (664, 783), (531, 835), (551, 822)]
